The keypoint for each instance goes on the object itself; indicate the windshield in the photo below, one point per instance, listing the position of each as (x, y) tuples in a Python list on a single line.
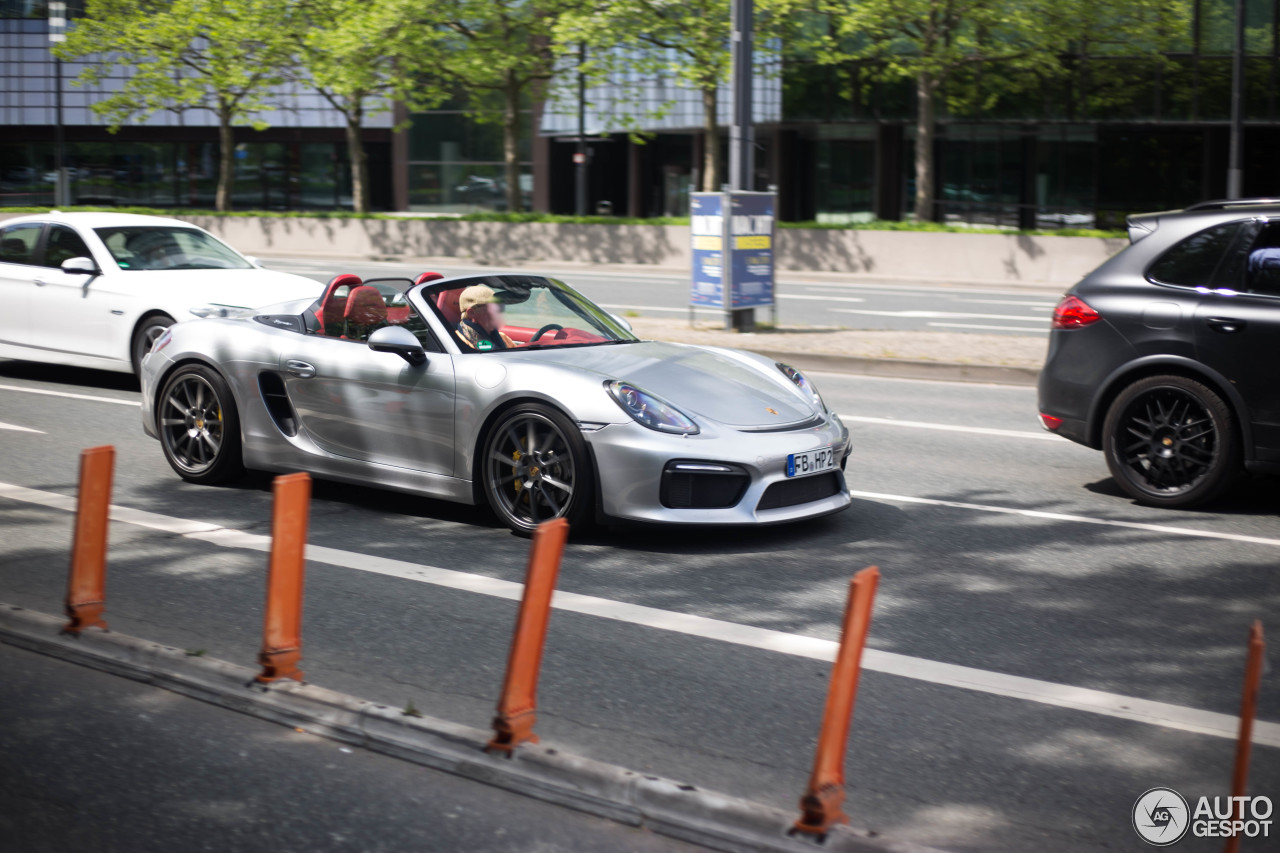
[(499, 312), (162, 247)]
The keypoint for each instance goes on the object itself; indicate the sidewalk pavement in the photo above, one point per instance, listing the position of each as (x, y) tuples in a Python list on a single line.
[(675, 809)]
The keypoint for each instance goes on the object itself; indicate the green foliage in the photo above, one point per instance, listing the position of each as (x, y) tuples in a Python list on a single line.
[(220, 55), (688, 42)]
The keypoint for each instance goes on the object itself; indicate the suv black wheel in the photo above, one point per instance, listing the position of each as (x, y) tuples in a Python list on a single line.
[(1171, 442)]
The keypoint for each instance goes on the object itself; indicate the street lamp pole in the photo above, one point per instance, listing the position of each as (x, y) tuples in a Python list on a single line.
[(58, 33), (1235, 172), (580, 154)]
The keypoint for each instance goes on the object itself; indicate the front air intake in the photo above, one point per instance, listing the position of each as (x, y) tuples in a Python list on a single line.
[(702, 485)]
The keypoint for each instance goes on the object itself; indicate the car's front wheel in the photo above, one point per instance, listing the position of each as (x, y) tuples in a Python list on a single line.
[(1171, 442), (199, 427), (151, 327), (534, 467)]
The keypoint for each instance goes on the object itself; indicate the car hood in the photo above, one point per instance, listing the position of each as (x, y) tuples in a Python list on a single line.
[(239, 288), (727, 386)]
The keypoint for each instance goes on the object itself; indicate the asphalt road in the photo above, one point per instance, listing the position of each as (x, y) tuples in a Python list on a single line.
[(1043, 651), (812, 299), (97, 762)]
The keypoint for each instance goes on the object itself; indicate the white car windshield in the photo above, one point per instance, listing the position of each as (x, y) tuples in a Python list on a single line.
[(169, 248)]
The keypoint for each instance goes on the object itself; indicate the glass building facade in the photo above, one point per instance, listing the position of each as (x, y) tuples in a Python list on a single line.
[(1114, 135)]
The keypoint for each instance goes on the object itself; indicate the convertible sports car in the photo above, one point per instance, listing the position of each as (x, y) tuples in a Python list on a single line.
[(510, 390)]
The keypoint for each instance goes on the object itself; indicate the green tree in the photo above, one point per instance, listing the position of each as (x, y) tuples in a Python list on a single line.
[(962, 53), (220, 55), (363, 55), (686, 41), (499, 50)]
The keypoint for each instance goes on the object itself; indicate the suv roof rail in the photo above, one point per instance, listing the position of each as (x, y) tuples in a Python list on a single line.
[(1222, 204)]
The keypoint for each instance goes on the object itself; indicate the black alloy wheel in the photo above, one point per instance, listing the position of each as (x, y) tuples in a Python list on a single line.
[(535, 467), (1170, 441), (151, 328), (199, 427)]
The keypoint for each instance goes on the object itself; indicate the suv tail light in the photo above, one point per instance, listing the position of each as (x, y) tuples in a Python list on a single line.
[(1073, 312)]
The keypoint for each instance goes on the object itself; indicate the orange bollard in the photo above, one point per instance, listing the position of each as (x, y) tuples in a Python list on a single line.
[(820, 805), (1248, 709), (517, 706), (86, 585), (282, 623)]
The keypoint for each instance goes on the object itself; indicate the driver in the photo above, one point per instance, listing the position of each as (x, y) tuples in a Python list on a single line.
[(153, 250), (481, 319)]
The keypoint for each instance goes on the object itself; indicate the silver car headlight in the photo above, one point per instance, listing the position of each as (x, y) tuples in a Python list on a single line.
[(649, 410), (212, 310), (802, 383)]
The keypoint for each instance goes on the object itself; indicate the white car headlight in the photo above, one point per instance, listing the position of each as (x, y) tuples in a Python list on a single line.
[(649, 410)]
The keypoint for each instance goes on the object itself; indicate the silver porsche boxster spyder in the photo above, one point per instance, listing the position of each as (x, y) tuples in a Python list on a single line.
[(509, 390)]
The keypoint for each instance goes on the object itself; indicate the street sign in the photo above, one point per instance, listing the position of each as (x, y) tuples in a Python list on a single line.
[(732, 249)]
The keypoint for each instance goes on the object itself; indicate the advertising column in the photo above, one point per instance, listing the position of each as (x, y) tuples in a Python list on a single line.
[(732, 254)]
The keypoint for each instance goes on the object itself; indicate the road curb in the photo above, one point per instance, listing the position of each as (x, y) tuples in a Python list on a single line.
[(662, 805)]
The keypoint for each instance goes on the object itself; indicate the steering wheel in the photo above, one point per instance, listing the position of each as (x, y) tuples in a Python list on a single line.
[(550, 327)]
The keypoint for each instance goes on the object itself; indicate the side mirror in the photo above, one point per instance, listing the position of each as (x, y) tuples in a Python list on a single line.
[(399, 340), (80, 266), (621, 321)]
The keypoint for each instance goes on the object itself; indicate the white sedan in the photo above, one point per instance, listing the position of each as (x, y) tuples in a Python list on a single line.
[(96, 289)]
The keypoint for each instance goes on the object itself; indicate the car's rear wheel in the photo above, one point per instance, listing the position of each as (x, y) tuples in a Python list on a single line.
[(535, 467), (151, 327), (1171, 441), (199, 427)]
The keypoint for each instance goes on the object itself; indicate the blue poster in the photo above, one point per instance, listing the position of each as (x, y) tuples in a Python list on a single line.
[(750, 249), (707, 227)]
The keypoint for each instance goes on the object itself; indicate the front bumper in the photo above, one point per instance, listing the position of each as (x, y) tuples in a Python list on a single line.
[(630, 461)]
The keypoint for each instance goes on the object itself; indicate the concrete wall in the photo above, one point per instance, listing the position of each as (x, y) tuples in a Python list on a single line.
[(1000, 258), (955, 257)]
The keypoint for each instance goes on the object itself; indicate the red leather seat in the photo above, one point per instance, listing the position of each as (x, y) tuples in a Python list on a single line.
[(425, 277), (366, 312), (333, 305)]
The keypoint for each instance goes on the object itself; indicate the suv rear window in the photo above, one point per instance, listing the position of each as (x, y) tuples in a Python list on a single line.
[(1194, 262)]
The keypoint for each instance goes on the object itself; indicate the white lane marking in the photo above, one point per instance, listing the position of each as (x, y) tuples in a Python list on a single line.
[(919, 314), (820, 298), (934, 672), (1075, 519), (47, 393), (1037, 331), (1004, 433), (16, 428), (1034, 306)]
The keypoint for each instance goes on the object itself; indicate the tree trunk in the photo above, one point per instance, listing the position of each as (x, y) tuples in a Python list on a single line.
[(711, 142), (359, 160), (511, 142), (926, 89), (226, 159)]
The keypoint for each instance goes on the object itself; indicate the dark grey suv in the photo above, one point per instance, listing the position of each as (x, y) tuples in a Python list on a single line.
[(1167, 357)]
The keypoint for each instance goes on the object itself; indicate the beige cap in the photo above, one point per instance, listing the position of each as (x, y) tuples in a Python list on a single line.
[(476, 294)]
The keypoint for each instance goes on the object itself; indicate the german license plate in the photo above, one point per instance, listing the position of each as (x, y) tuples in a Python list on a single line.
[(811, 462)]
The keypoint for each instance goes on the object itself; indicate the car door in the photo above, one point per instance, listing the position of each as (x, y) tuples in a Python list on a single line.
[(372, 406), (1237, 329), (18, 273), (70, 312)]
